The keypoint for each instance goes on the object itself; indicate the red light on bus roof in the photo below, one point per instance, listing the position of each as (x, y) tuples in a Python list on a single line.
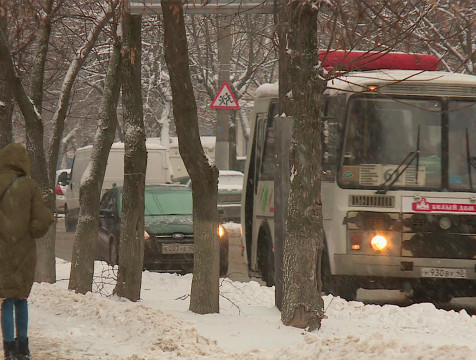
[(340, 60)]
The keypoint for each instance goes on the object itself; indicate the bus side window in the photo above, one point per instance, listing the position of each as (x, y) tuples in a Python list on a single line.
[(264, 156), (267, 168), (260, 131), (268, 163)]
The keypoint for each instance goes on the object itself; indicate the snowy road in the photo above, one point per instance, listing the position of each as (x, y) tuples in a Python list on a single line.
[(238, 272)]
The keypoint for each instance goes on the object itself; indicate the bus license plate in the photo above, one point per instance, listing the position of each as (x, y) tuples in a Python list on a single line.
[(444, 273), (177, 248)]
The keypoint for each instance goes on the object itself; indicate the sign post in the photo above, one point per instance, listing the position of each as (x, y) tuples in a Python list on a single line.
[(224, 102)]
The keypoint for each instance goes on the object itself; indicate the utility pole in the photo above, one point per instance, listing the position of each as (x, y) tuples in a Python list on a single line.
[(222, 146)]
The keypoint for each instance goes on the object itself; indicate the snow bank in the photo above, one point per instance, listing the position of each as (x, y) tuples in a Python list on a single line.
[(65, 325)]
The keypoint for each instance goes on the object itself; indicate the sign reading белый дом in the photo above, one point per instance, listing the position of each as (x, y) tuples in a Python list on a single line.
[(438, 205)]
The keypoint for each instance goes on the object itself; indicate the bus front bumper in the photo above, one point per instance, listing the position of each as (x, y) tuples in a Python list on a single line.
[(404, 267)]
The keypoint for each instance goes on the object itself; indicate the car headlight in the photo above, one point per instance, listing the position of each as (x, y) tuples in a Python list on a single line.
[(379, 242), (221, 232)]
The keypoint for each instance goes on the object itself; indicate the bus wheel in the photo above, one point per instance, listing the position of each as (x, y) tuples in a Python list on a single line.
[(224, 250), (435, 296), (345, 287), (265, 257)]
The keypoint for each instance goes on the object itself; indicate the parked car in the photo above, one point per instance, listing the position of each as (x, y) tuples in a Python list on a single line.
[(230, 185), (181, 180), (168, 238), (61, 187)]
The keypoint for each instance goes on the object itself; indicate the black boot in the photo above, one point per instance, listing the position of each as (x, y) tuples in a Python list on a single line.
[(23, 352), (9, 349)]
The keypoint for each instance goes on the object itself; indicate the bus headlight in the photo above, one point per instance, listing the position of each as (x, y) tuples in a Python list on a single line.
[(379, 242), (221, 232)]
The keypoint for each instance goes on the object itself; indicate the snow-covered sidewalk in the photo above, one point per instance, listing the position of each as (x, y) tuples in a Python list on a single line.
[(65, 325)]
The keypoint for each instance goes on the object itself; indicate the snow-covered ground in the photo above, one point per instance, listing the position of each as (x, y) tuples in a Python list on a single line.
[(65, 325)]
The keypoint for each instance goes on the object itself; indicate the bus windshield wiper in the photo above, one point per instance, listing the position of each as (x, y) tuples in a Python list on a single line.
[(396, 174), (471, 161)]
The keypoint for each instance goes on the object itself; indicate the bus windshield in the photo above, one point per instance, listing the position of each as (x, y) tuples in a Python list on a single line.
[(462, 147), (381, 132)]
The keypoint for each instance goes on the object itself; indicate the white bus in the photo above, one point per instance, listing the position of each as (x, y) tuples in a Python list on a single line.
[(398, 184)]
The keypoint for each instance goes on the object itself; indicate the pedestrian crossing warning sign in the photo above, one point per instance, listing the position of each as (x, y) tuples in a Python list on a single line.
[(225, 99)]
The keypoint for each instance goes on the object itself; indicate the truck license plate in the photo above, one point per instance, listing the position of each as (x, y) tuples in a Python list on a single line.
[(177, 248), (444, 273)]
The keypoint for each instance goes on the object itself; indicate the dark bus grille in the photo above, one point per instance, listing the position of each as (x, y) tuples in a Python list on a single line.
[(459, 224), (426, 237), (367, 220), (441, 245)]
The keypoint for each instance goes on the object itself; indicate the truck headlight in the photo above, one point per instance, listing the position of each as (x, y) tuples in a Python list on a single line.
[(379, 242)]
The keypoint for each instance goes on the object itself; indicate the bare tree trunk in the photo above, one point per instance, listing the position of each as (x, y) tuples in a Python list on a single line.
[(164, 122), (46, 264), (45, 270), (85, 238), (280, 214), (131, 243), (6, 112), (204, 293), (39, 61), (43, 172), (6, 103), (302, 302), (66, 88), (284, 59)]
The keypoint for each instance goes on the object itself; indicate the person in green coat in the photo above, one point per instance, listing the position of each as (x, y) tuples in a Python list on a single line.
[(24, 217)]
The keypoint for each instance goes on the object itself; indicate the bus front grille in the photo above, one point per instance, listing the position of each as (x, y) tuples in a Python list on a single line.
[(440, 245), (458, 224), (372, 201), (444, 236)]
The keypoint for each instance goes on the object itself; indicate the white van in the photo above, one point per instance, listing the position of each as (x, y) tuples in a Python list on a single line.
[(177, 167), (157, 173), (176, 162)]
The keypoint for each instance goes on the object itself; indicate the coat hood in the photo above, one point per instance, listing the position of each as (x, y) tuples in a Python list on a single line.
[(14, 157)]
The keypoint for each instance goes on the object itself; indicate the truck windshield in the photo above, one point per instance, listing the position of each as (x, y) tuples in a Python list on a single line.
[(382, 131)]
